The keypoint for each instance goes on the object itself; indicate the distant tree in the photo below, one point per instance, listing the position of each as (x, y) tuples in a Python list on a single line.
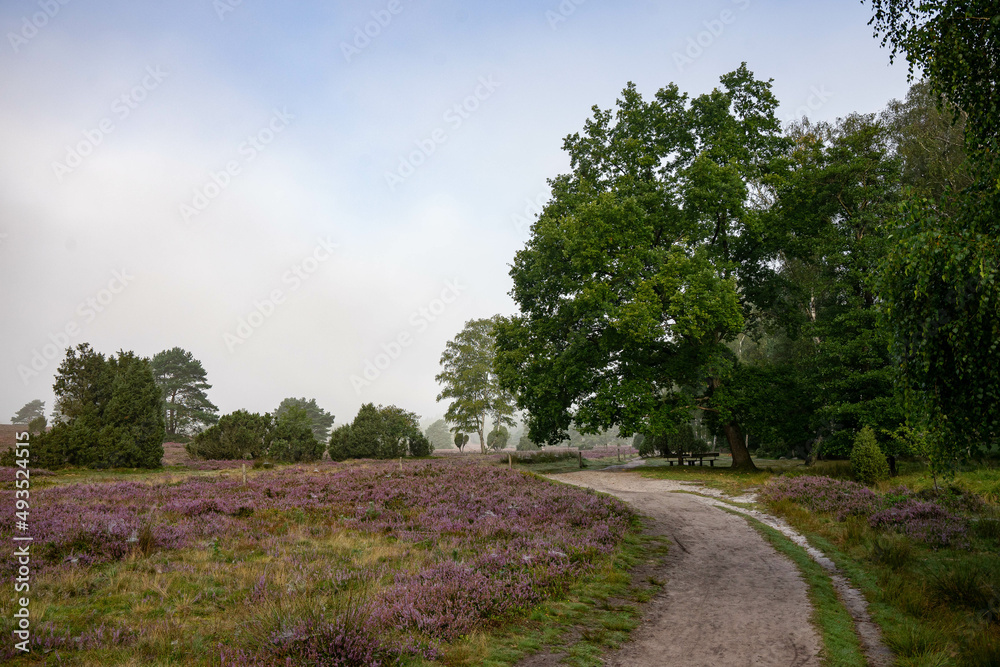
[(294, 439), (37, 425), (381, 432), (112, 414), (439, 435), (182, 382), (30, 411), (498, 438), (320, 420), (238, 435), (524, 443), (461, 440), (469, 379)]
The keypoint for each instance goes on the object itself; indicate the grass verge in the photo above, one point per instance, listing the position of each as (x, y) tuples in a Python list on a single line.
[(841, 647)]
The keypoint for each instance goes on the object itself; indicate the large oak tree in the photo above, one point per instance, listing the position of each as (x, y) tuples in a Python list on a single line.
[(646, 261)]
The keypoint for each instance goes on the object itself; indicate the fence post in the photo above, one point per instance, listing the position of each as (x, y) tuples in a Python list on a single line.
[(580, 454)]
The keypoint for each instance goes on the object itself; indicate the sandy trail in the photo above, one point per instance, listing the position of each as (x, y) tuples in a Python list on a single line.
[(730, 599)]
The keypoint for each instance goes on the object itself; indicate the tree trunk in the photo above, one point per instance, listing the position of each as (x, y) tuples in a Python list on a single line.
[(741, 456)]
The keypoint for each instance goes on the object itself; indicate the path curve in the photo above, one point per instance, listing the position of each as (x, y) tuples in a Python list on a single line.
[(730, 599)]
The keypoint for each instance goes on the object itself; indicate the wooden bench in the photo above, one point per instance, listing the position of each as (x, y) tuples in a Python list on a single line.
[(681, 459)]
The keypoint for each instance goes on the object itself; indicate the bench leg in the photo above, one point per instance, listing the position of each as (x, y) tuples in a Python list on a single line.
[(711, 462)]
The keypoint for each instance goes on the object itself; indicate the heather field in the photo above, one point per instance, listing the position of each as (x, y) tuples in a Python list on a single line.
[(363, 562)]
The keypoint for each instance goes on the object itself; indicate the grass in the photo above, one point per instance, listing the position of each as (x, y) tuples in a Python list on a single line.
[(935, 606)]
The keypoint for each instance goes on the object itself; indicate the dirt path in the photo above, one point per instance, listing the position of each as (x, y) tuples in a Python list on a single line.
[(730, 599)]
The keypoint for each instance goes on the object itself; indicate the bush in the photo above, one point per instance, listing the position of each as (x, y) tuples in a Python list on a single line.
[(113, 410), (420, 445), (240, 435), (379, 433), (294, 439), (339, 442), (498, 438), (525, 444), (868, 462)]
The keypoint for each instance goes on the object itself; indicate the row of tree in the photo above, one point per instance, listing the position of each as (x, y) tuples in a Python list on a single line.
[(796, 285), (381, 432), (116, 412)]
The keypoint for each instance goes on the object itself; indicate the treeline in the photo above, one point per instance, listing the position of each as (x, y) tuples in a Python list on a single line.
[(116, 411), (796, 285), (288, 437)]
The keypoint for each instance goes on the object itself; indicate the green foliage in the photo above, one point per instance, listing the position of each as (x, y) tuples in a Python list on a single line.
[(30, 411), (941, 287), (683, 440), (37, 425), (182, 382), (439, 435), (469, 379), (956, 43), (238, 435), (525, 444), (420, 445), (339, 439), (498, 438), (113, 414), (294, 439), (868, 462), (628, 285), (382, 432), (461, 440), (320, 421)]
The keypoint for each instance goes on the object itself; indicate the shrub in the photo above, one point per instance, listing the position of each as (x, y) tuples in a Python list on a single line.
[(923, 521), (525, 444), (239, 435), (420, 445), (339, 442), (868, 462), (379, 433), (498, 438), (113, 410), (294, 438)]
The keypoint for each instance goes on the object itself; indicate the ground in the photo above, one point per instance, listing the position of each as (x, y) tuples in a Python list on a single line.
[(730, 598)]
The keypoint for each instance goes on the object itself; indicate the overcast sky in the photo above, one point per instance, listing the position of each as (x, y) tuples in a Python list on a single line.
[(287, 190)]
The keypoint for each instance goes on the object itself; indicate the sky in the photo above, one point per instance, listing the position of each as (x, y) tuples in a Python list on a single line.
[(313, 198)]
